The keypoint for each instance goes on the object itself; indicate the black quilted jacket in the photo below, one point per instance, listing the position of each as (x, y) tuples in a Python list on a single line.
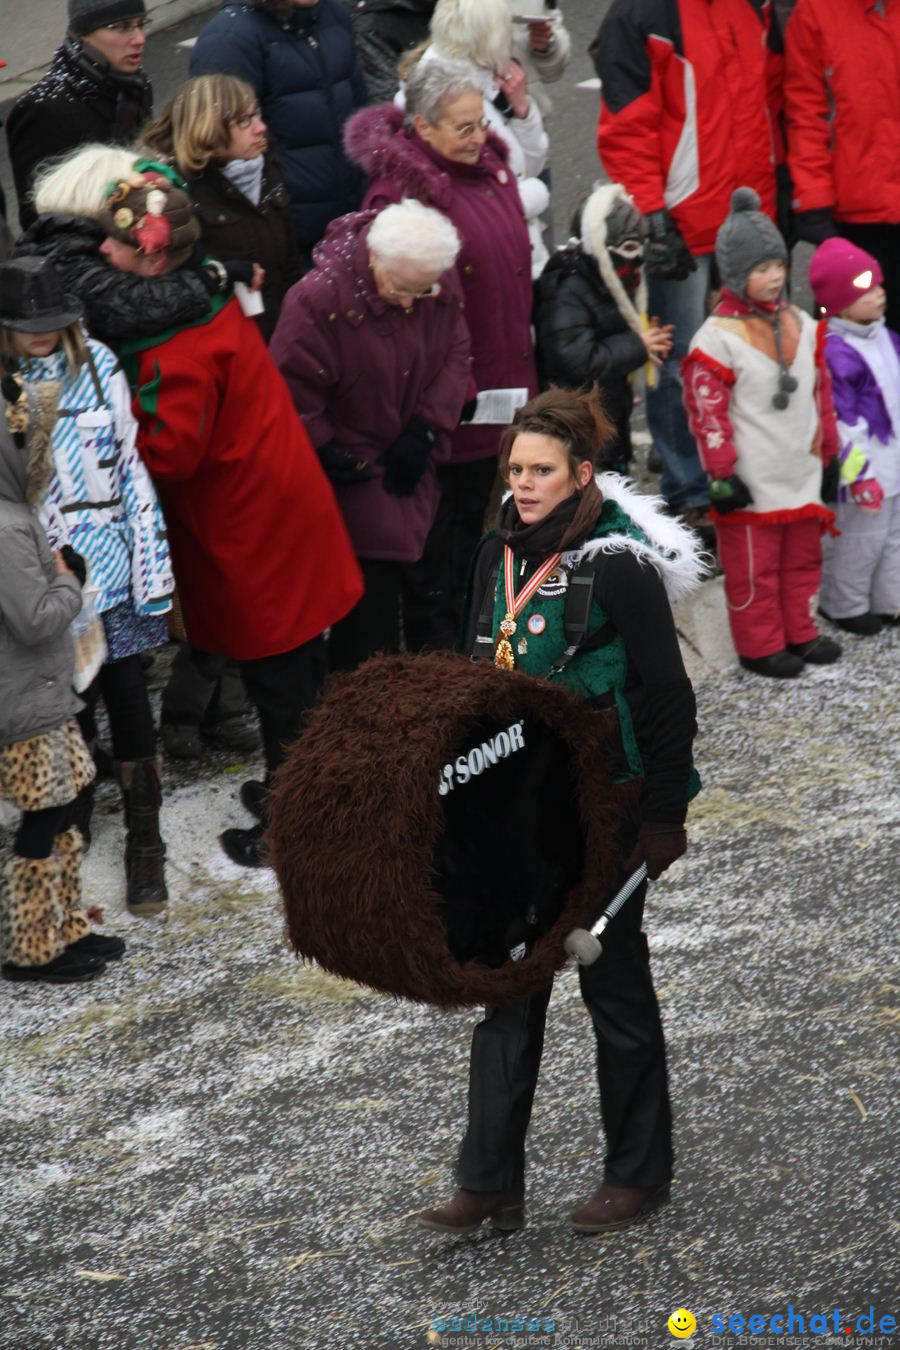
[(582, 339), (117, 305)]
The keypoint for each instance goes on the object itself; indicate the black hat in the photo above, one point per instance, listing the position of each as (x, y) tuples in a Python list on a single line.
[(32, 298), (86, 15)]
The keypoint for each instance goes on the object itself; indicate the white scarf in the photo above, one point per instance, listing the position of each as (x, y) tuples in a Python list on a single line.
[(246, 175)]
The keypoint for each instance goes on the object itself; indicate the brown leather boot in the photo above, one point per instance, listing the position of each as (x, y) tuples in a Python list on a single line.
[(612, 1207), (467, 1210), (145, 852)]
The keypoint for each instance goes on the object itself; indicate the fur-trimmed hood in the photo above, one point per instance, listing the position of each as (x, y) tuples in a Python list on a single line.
[(375, 140), (674, 550), (593, 241)]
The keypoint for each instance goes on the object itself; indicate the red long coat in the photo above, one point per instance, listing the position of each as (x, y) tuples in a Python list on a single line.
[(261, 557)]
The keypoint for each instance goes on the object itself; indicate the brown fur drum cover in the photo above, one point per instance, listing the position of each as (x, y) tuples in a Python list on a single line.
[(355, 814)]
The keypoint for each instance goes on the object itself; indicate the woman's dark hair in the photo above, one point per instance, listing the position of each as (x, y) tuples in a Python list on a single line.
[(573, 416)]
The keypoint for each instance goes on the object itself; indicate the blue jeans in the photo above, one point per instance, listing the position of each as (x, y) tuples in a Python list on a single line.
[(682, 303)]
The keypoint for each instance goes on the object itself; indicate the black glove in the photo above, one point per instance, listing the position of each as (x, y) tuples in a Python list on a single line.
[(75, 563), (218, 276), (814, 227), (239, 271), (343, 467), (406, 460), (729, 494), (666, 255), (659, 843), (831, 479)]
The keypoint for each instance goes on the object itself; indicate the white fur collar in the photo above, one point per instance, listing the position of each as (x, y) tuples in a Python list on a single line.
[(674, 550)]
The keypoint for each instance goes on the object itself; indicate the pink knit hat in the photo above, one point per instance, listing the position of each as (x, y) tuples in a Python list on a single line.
[(841, 273)]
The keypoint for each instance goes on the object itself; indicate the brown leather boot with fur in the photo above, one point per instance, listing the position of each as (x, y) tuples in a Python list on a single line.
[(467, 1210), (145, 852), (613, 1207)]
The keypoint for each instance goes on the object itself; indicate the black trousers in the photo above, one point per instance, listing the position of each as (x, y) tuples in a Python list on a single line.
[(436, 584), (282, 689), (123, 687), (631, 1070), (38, 829), (374, 623), (201, 688), (883, 242)]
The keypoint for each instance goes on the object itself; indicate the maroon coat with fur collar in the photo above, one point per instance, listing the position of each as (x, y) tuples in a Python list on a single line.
[(494, 265), (359, 369)]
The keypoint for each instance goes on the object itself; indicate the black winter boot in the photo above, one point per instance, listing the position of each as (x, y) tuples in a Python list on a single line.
[(145, 851), (70, 967)]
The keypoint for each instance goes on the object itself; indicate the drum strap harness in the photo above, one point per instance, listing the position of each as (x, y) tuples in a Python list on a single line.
[(576, 618)]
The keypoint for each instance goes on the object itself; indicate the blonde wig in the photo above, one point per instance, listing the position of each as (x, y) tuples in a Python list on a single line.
[(75, 186), (479, 31), (195, 128)]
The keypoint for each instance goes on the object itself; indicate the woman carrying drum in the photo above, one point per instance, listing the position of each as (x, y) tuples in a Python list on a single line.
[(575, 583)]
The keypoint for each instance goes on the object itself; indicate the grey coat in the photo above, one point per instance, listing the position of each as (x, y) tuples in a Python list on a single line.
[(37, 606)]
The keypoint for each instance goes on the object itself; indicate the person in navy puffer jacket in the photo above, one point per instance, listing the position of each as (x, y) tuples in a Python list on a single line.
[(299, 57)]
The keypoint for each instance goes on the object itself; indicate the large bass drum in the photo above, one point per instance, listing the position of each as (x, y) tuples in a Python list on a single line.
[(441, 826)]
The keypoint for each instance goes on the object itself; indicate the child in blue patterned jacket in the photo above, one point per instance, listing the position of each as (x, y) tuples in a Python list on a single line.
[(100, 500)]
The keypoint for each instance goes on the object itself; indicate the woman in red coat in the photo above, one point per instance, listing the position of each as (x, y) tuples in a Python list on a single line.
[(441, 154), (261, 556)]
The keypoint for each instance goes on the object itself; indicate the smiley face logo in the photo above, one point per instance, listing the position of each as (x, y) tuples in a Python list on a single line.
[(682, 1323)]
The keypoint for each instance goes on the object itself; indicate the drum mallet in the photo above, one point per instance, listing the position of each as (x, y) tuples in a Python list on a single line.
[(584, 945)]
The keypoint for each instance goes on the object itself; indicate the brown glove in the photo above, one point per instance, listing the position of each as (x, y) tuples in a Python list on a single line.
[(659, 843)]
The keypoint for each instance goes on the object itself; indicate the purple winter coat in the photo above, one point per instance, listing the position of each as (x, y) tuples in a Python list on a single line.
[(855, 390), (494, 265), (359, 369)]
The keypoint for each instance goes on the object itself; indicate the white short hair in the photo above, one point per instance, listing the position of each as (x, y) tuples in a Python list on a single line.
[(76, 185), (479, 31), (434, 82), (409, 232)]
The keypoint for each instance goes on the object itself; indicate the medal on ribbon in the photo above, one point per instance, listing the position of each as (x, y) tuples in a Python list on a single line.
[(503, 652)]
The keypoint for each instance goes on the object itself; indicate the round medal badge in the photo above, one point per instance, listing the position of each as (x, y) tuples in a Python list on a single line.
[(536, 624)]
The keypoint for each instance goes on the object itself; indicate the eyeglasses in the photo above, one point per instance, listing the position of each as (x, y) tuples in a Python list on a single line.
[(469, 129), (127, 26), (246, 120), (400, 293)]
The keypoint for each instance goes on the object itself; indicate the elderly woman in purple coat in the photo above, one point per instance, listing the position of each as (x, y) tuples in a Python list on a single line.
[(374, 346), (441, 153)]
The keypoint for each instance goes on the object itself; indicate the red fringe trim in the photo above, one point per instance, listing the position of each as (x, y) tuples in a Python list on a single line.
[(724, 373), (812, 511), (821, 335)]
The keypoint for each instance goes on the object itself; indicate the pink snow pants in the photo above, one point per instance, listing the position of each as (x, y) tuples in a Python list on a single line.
[(772, 575)]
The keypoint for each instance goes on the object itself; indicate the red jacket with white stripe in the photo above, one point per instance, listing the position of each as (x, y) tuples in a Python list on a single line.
[(690, 106), (842, 95)]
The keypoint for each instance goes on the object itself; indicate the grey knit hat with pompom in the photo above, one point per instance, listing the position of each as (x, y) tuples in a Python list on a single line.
[(747, 238)]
